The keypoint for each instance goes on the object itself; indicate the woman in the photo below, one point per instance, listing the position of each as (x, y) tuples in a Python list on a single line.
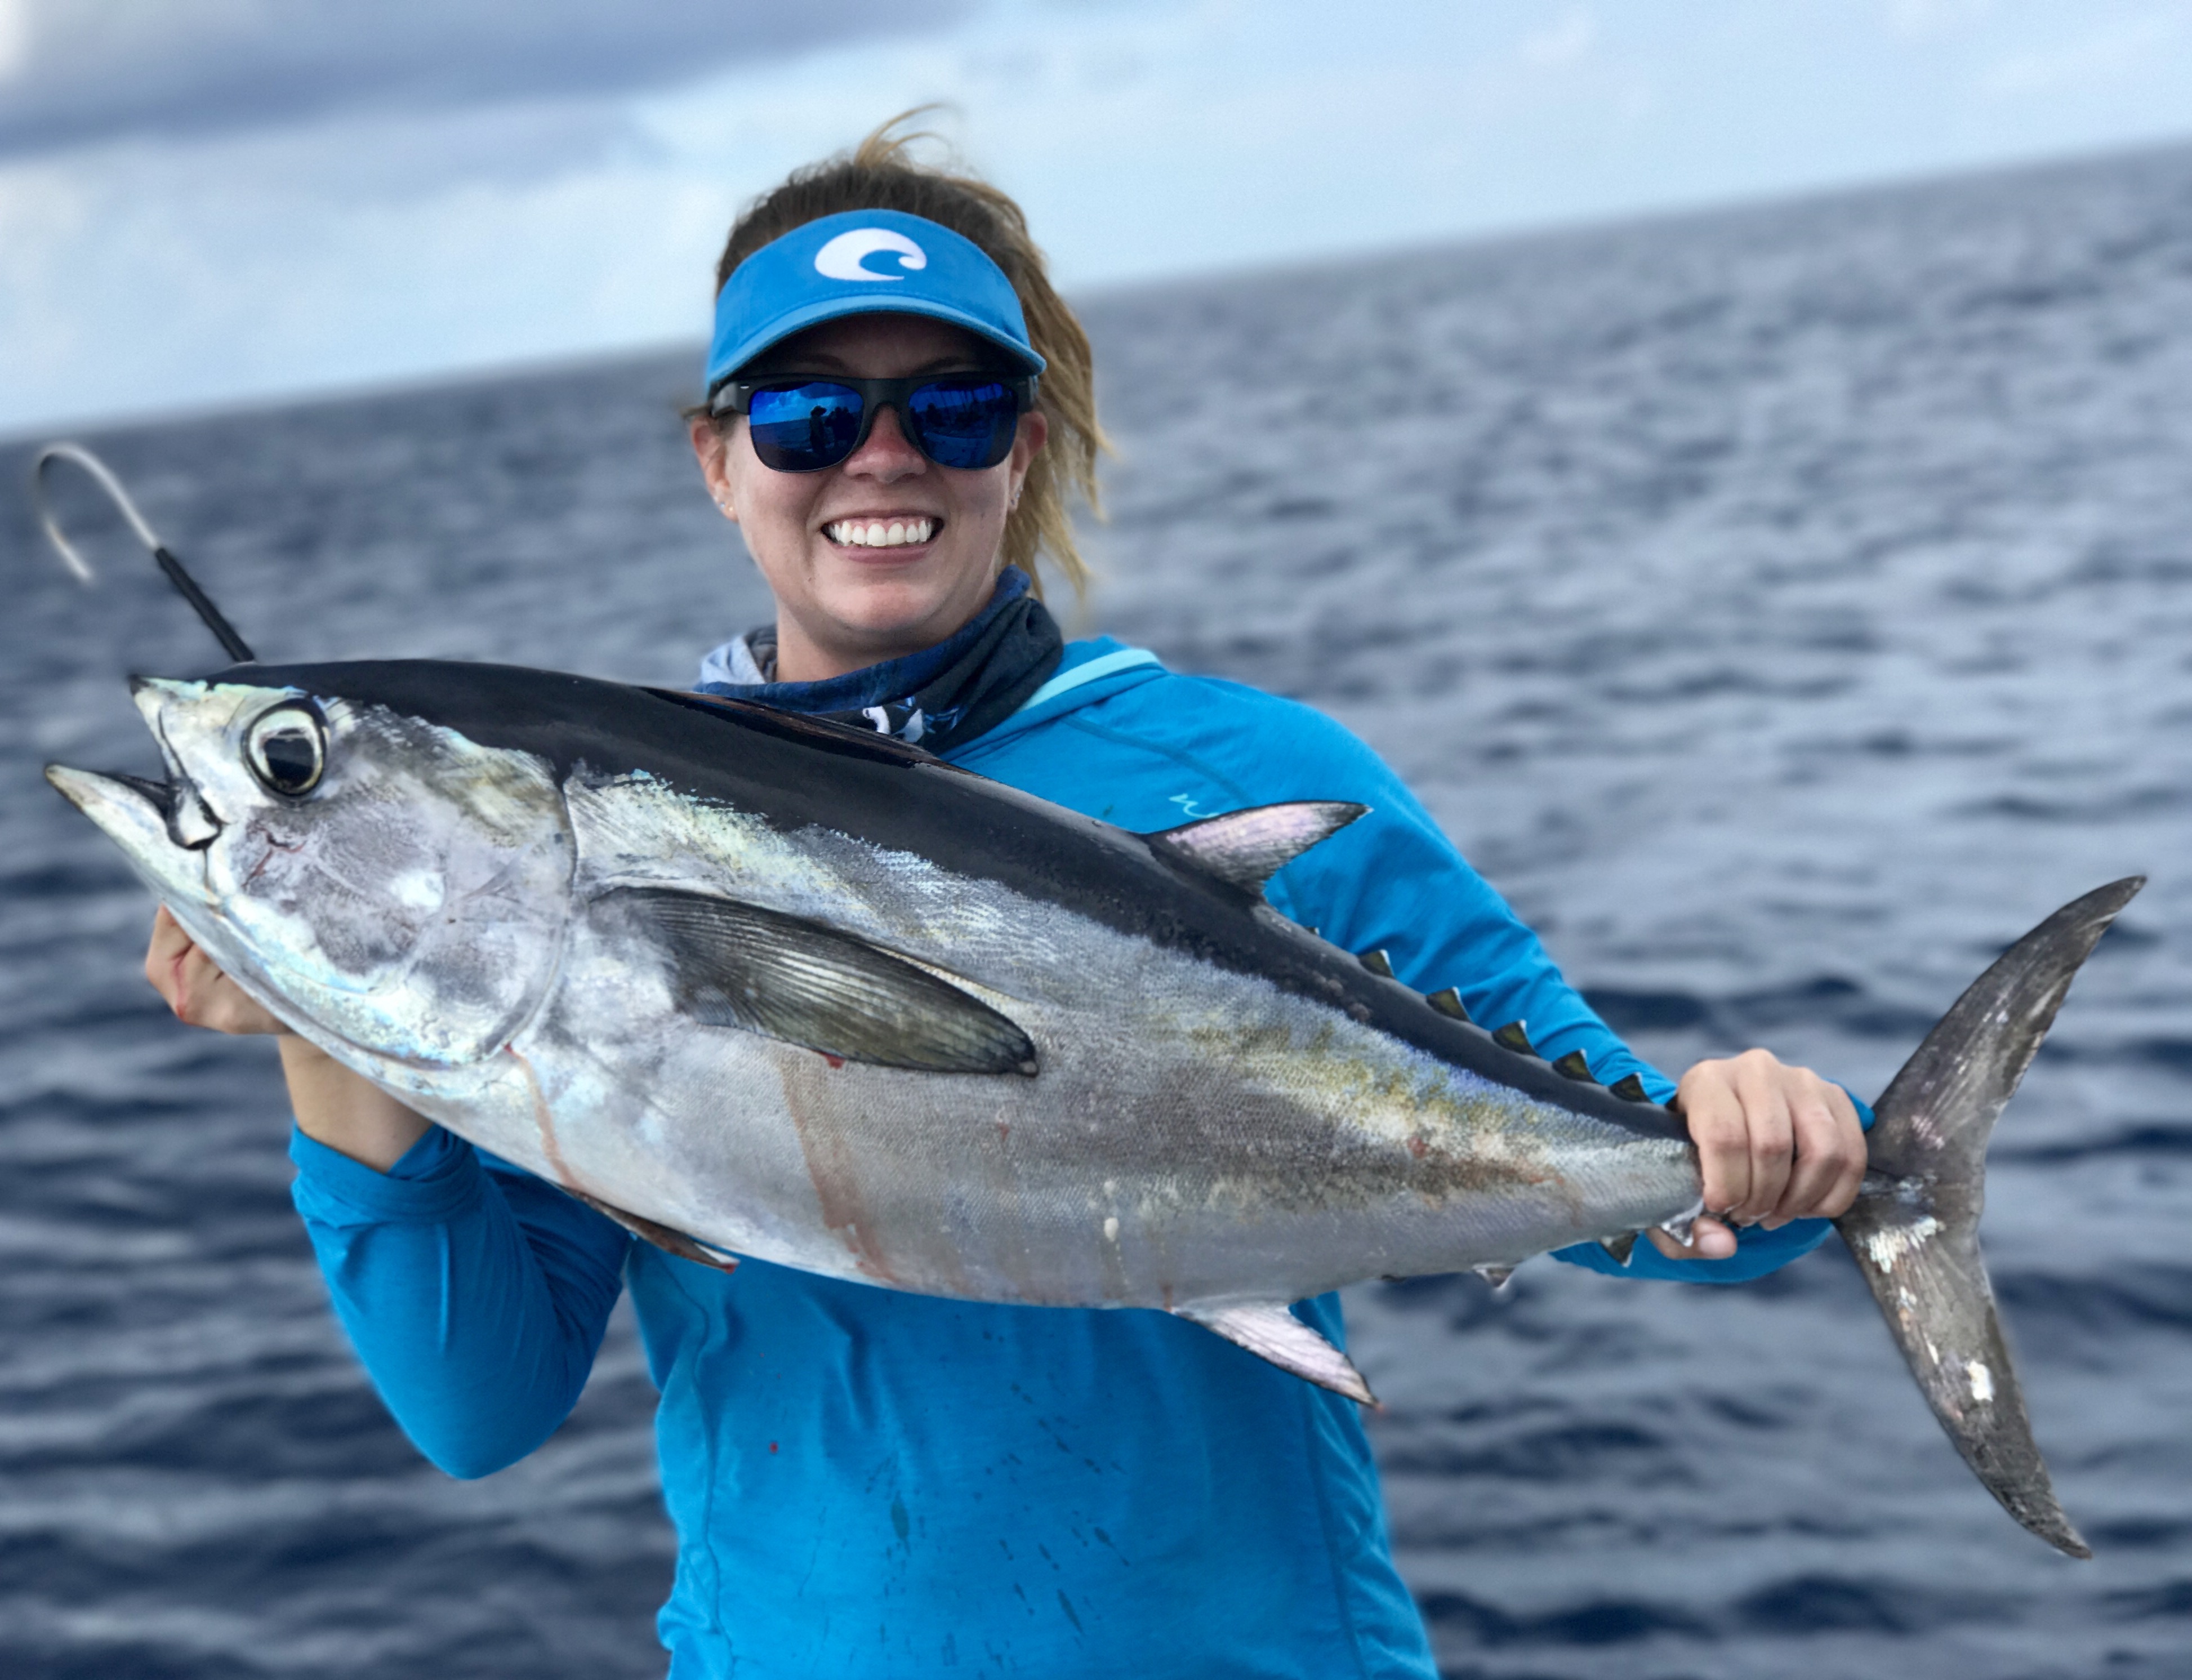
[(866, 1482)]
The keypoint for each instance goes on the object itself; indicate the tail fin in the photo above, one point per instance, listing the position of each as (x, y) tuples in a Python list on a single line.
[(1913, 1228)]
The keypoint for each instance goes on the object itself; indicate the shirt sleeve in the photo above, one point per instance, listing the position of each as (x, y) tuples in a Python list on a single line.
[(475, 1294), (1392, 880)]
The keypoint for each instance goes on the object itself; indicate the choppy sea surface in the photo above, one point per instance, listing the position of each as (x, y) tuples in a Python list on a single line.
[(1785, 607)]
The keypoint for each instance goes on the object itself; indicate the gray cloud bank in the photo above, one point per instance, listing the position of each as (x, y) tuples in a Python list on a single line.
[(76, 72)]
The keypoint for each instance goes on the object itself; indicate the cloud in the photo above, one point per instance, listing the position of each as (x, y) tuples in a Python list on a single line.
[(1565, 42), (1920, 20), (413, 221), (76, 72), (2102, 60)]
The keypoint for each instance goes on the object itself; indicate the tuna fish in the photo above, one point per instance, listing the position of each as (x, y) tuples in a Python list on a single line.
[(756, 984)]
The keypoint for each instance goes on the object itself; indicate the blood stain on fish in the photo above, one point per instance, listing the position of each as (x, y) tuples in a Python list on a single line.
[(550, 1145), (832, 1168)]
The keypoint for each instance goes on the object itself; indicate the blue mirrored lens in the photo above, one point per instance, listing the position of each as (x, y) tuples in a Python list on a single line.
[(966, 423), (804, 427)]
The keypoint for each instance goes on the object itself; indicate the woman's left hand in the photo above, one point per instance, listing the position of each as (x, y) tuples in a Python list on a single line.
[(1776, 1143)]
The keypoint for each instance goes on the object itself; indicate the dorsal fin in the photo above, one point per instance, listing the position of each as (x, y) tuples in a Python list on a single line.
[(1246, 849)]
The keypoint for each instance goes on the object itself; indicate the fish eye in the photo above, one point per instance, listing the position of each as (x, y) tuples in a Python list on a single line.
[(288, 750)]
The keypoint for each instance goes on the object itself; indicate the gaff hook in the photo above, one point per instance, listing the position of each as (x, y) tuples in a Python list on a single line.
[(233, 645)]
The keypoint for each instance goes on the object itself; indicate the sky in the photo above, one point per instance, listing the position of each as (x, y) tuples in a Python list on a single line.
[(209, 202)]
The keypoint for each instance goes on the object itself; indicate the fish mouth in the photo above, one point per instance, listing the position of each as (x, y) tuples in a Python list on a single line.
[(133, 811), (148, 820), (121, 804)]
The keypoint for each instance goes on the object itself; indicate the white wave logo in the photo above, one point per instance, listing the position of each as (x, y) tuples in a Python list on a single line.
[(846, 257)]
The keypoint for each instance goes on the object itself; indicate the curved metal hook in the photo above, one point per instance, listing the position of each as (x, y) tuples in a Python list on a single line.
[(200, 604), (103, 476)]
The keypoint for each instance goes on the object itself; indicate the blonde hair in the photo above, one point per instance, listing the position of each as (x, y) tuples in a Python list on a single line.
[(882, 174)]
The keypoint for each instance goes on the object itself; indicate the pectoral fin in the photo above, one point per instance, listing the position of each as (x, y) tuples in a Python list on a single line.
[(1269, 1332), (738, 965)]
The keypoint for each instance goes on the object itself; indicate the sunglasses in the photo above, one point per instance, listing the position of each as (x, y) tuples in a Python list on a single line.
[(802, 425)]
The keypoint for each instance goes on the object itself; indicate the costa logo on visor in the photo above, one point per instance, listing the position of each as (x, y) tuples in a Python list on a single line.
[(847, 256), (802, 425), (862, 262)]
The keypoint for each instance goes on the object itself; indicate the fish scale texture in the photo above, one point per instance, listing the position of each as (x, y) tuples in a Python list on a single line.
[(868, 1483)]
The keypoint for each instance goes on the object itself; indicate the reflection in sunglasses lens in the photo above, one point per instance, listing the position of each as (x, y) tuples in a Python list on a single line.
[(964, 424), (804, 427)]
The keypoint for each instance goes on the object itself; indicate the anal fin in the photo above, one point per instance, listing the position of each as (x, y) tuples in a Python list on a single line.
[(669, 1241), (1269, 1332)]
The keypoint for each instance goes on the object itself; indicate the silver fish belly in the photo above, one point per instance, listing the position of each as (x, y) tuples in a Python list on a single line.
[(1194, 1134)]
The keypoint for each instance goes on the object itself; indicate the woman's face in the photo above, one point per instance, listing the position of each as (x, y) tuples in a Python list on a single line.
[(842, 605)]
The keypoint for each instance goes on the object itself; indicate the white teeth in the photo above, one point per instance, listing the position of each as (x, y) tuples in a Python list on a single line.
[(874, 534)]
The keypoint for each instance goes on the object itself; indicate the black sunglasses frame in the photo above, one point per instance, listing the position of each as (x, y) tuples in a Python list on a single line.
[(735, 396)]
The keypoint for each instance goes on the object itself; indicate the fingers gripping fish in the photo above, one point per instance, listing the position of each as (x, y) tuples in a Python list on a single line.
[(754, 984)]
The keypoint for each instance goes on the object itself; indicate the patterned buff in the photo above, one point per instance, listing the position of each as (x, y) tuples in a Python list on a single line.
[(939, 698)]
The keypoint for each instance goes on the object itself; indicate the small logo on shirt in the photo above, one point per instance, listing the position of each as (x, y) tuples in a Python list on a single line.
[(849, 255)]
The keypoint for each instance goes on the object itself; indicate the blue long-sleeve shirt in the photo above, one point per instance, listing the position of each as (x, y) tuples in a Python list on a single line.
[(868, 1483)]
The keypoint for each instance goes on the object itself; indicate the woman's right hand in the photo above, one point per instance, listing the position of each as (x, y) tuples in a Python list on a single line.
[(333, 1105), (198, 992)]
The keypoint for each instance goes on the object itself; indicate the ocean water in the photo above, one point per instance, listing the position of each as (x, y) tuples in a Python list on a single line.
[(1785, 607)]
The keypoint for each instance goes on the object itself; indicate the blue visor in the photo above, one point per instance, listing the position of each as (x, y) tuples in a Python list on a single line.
[(864, 262)]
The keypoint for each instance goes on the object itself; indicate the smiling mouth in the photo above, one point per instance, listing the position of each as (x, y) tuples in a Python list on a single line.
[(895, 531)]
